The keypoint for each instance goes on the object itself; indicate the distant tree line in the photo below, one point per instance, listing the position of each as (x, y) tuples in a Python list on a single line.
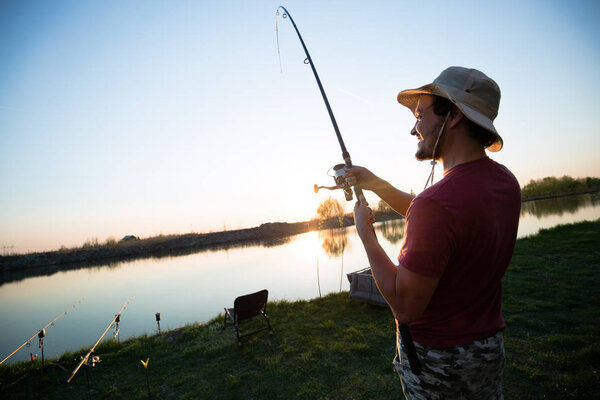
[(552, 186)]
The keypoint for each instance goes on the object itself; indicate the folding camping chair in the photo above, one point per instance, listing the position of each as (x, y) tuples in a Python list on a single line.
[(247, 307)]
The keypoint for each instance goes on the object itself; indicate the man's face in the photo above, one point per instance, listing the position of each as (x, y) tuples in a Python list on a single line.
[(427, 128)]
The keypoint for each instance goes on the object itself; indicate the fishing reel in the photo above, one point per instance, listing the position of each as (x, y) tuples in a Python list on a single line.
[(340, 182)]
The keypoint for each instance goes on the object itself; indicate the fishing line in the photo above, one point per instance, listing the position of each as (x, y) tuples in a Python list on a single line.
[(277, 34)]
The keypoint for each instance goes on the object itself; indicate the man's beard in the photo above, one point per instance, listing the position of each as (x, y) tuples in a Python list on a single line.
[(423, 153), (426, 153)]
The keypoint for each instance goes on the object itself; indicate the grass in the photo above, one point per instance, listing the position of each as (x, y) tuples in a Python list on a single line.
[(112, 243), (552, 310), (334, 348)]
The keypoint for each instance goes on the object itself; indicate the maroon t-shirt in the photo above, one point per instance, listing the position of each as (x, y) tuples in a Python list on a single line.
[(463, 230)]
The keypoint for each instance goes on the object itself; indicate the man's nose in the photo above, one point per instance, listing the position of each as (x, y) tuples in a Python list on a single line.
[(413, 131)]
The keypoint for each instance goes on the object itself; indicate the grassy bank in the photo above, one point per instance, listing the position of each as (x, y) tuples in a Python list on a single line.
[(333, 348)]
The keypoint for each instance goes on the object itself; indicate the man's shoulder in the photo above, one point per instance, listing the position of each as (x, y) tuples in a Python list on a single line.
[(483, 173), (472, 183), (502, 169), (427, 205)]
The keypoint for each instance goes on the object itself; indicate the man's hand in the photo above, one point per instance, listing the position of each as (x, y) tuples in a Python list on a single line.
[(367, 180), (364, 219), (362, 177)]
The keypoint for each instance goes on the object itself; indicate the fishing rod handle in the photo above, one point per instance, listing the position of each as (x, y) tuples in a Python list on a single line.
[(357, 189), (358, 192)]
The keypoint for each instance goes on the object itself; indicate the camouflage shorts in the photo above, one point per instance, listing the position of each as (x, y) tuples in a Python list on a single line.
[(470, 371)]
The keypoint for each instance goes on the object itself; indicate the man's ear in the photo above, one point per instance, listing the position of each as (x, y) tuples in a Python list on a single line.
[(456, 116)]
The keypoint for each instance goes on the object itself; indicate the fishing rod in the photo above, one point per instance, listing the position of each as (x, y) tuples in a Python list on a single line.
[(345, 154), (406, 337), (42, 332), (87, 356)]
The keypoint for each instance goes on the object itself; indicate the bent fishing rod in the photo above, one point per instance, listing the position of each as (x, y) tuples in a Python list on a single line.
[(345, 154), (87, 356), (405, 335), (42, 332)]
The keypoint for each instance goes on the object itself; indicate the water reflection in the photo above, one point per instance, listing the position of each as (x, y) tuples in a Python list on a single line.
[(103, 263), (195, 287), (559, 205), (333, 241), (392, 230)]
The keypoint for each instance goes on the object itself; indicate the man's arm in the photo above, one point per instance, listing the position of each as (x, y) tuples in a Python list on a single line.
[(397, 199), (406, 292), (367, 180)]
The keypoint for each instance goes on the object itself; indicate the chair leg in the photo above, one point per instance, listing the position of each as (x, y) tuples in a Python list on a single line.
[(237, 332), (268, 323)]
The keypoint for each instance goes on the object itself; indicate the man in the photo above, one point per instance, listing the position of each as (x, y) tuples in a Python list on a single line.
[(459, 239)]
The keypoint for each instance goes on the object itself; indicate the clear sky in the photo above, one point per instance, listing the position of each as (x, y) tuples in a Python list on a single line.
[(149, 117)]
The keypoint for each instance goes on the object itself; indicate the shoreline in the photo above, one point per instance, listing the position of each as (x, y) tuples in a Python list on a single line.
[(17, 267), (556, 196), (20, 266)]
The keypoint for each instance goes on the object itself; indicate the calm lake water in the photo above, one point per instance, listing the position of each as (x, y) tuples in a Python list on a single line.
[(196, 287)]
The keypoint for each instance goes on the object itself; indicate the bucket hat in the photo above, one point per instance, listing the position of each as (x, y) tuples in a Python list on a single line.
[(473, 92)]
